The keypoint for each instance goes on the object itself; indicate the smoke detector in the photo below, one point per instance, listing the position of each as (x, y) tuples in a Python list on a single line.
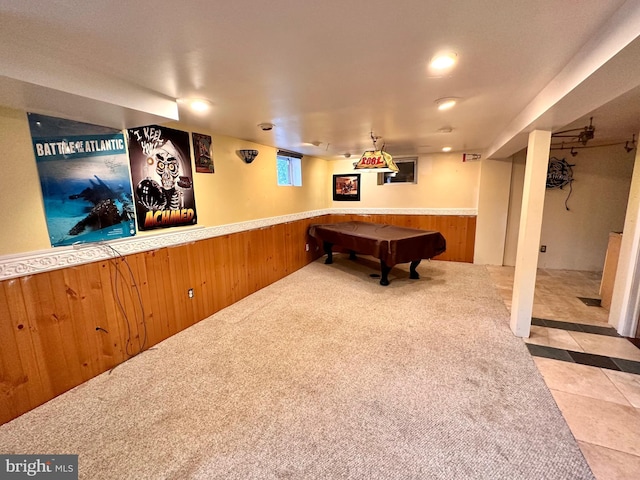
[(266, 126)]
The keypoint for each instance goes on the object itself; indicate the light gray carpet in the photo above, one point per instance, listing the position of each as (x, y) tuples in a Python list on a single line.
[(323, 375)]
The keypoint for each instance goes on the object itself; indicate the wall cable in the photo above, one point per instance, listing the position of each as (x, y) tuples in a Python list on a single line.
[(116, 254)]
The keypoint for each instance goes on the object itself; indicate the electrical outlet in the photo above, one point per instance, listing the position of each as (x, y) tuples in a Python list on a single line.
[(306, 247), (190, 292), (543, 248)]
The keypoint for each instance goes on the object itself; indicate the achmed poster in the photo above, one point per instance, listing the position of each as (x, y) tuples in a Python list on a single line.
[(160, 161), (84, 175)]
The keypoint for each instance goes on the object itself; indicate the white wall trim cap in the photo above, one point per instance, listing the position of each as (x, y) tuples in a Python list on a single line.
[(14, 266)]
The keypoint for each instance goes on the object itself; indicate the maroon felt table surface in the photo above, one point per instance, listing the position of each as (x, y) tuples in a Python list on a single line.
[(388, 243)]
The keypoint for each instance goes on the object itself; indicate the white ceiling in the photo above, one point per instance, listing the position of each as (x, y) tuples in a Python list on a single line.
[(331, 72)]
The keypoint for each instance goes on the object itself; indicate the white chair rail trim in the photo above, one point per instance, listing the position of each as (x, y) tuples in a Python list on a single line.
[(14, 266)]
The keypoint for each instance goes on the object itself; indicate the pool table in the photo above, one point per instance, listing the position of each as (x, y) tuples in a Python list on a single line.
[(388, 243)]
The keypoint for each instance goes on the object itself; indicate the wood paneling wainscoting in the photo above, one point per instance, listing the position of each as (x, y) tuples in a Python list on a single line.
[(60, 328), (459, 231)]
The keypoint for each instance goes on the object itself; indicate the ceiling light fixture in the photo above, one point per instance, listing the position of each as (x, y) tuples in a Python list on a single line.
[(199, 104), (376, 160), (443, 60), (446, 149), (446, 103), (265, 127)]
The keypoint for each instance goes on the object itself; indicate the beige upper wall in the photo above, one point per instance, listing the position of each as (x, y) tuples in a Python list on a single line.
[(577, 238), (515, 206), (236, 192), (444, 181), (22, 219), (493, 210)]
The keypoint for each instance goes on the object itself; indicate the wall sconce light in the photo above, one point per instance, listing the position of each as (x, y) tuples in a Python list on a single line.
[(247, 155)]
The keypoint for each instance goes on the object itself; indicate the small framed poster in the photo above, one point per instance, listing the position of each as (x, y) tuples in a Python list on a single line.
[(346, 187), (202, 152)]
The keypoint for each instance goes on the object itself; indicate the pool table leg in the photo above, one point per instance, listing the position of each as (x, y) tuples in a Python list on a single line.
[(412, 270), (327, 249), (384, 270)]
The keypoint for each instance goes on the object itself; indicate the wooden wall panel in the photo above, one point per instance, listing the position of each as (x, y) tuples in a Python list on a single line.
[(85, 342), (15, 362), (160, 313), (16, 331), (60, 328), (108, 327), (458, 230)]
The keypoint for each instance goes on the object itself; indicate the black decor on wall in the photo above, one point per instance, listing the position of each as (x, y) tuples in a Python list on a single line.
[(560, 174)]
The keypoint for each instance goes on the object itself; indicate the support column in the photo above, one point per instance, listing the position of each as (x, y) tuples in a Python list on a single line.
[(524, 282), (625, 307)]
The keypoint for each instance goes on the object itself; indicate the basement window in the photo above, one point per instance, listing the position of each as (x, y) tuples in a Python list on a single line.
[(289, 166), (408, 172)]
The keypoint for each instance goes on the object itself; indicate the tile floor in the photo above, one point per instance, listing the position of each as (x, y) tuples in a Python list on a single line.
[(593, 374)]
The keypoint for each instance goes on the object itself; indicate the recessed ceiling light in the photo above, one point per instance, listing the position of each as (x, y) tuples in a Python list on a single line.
[(443, 60), (446, 103), (446, 149), (199, 104), (266, 126), (445, 130)]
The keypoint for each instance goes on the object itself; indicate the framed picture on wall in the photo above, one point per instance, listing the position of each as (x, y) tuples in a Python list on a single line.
[(346, 187), (202, 153)]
